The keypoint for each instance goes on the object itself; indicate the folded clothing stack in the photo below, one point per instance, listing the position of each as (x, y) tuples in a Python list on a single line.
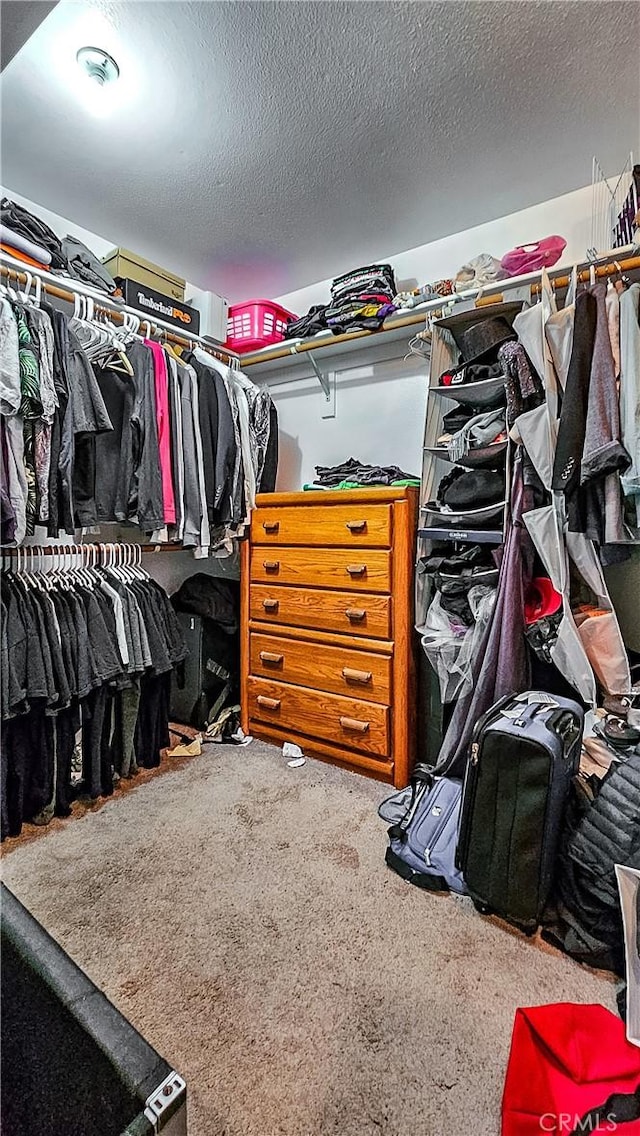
[(353, 474), (28, 238), (361, 299)]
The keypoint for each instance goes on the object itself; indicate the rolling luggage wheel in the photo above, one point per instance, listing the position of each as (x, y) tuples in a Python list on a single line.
[(483, 908)]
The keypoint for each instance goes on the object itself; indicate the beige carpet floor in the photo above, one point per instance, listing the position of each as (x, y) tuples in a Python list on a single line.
[(240, 914)]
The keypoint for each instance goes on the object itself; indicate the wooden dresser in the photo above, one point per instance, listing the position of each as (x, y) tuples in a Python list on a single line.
[(327, 627)]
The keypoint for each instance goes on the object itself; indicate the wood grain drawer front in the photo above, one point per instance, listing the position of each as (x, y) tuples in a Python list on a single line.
[(361, 570), (364, 526), (340, 670), (327, 611), (350, 722)]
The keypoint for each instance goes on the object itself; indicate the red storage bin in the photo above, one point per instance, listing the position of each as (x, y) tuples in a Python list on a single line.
[(256, 324)]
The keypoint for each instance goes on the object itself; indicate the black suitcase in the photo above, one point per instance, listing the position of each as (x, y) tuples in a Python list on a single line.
[(524, 753)]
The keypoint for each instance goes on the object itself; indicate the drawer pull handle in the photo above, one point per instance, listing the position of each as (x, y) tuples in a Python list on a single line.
[(271, 657), (356, 569), (271, 565), (353, 724), (271, 526), (355, 614), (270, 605), (356, 676), (356, 526), (270, 703)]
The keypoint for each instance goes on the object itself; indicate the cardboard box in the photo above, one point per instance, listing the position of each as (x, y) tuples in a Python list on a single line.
[(154, 305), (127, 265)]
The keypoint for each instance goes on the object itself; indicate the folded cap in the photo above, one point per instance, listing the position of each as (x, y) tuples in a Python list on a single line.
[(474, 488)]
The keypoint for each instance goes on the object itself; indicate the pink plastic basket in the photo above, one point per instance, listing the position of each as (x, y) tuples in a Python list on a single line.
[(256, 324)]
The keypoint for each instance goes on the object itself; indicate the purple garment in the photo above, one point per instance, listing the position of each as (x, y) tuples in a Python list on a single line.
[(501, 663), (7, 512)]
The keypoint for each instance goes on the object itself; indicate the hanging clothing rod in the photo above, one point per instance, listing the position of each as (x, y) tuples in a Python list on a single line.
[(106, 306), (584, 275), (72, 549)]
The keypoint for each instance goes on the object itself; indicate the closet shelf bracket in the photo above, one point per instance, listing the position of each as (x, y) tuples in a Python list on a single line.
[(322, 379)]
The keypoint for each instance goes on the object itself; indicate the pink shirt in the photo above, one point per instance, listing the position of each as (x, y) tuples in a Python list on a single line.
[(164, 430)]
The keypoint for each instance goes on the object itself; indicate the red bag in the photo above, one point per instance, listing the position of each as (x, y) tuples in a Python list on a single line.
[(565, 1061)]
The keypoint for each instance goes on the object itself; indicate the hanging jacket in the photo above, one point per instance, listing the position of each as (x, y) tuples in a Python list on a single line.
[(573, 419)]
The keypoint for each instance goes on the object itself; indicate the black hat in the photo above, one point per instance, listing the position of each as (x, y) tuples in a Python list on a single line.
[(474, 488), (459, 321), (483, 338)]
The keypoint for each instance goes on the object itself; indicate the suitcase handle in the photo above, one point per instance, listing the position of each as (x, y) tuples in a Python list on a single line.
[(270, 703), (492, 712), (270, 657), (356, 526), (356, 676)]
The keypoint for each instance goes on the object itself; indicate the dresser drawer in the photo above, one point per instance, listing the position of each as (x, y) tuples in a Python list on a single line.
[(367, 615), (363, 526), (350, 722), (361, 570), (341, 670)]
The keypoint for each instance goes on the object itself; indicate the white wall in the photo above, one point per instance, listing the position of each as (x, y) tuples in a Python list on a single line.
[(379, 414), (569, 216), (380, 405)]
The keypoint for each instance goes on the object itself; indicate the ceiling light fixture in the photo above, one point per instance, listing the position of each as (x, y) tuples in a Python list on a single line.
[(98, 65)]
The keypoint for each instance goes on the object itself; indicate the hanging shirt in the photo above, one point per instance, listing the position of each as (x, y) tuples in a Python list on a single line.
[(177, 452), (164, 430), (191, 484), (145, 495), (9, 360)]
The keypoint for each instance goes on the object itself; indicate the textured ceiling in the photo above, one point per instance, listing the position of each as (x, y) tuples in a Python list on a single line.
[(18, 20), (257, 147)]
